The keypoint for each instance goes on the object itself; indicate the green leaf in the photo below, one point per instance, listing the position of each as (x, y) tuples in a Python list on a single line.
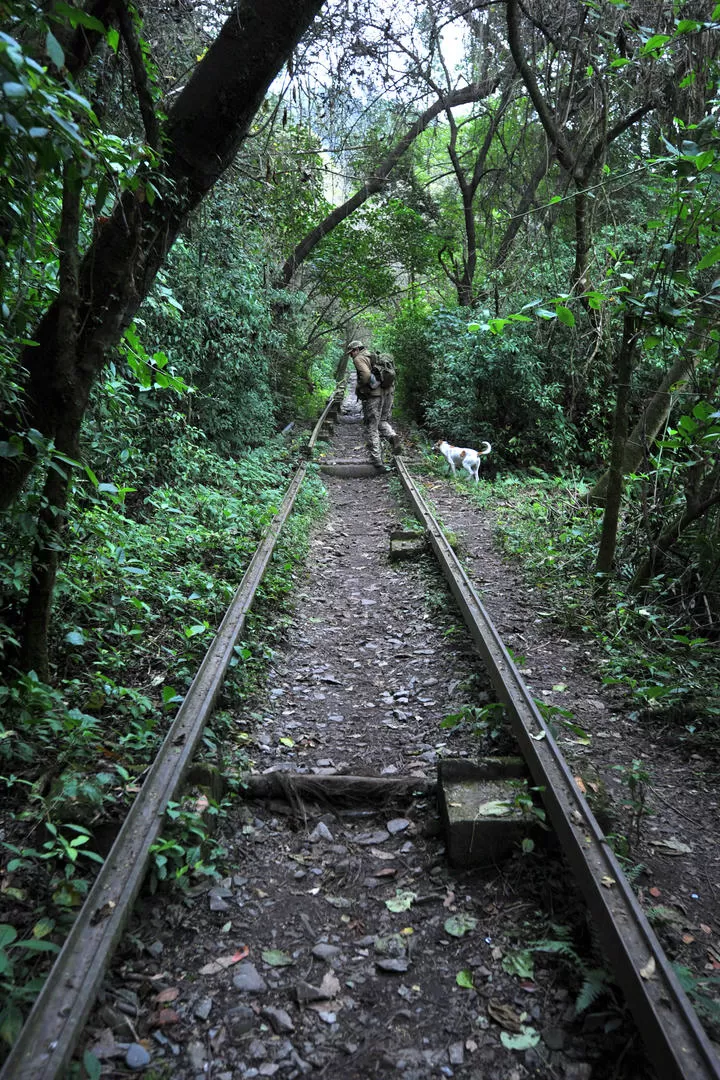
[(92, 1066), (8, 934), (11, 1021), (457, 925), (77, 17), (38, 946), (277, 958), (113, 39), (54, 50), (75, 637), (402, 901), (712, 257), (545, 314), (655, 42), (565, 315), (14, 90), (464, 978), (193, 631), (526, 1039), (519, 963), (43, 927)]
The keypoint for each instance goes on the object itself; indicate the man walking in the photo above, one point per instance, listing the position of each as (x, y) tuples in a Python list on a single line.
[(376, 404)]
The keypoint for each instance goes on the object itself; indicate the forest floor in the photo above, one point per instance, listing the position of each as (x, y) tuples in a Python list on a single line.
[(334, 946)]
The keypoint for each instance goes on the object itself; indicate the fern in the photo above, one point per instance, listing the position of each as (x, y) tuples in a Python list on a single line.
[(595, 984)]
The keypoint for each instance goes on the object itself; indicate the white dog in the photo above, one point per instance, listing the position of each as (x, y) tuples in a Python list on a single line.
[(460, 455)]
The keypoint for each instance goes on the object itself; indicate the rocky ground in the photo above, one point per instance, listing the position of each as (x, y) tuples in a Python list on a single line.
[(341, 944)]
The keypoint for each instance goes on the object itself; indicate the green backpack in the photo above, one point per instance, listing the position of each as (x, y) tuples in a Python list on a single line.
[(383, 368)]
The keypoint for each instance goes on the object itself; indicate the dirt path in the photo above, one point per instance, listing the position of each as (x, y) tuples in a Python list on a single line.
[(327, 951)]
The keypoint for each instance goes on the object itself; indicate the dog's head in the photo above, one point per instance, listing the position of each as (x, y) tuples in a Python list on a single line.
[(438, 445)]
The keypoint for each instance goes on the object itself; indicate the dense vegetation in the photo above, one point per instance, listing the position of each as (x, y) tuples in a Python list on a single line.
[(522, 207)]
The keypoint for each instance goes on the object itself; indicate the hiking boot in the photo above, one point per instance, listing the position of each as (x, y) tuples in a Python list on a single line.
[(396, 443)]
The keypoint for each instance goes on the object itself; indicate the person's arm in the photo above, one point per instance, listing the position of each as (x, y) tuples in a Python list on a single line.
[(362, 366)]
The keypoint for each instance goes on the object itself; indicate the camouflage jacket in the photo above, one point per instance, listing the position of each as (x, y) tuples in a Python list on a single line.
[(361, 361)]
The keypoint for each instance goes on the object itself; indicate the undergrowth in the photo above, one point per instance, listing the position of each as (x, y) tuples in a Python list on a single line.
[(143, 585), (651, 646)]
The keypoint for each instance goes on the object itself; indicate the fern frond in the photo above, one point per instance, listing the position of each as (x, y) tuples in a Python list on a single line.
[(596, 984)]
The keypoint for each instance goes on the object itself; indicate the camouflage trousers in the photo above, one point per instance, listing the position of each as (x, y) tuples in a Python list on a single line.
[(376, 418)]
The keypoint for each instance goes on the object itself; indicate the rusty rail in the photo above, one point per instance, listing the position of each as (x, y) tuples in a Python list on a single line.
[(47, 1040), (674, 1038)]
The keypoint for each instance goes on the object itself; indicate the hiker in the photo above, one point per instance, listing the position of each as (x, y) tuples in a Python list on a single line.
[(376, 404)]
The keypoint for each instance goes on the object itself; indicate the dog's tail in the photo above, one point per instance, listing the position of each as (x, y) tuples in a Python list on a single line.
[(487, 449)]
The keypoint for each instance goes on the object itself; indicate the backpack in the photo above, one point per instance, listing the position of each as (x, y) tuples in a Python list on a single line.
[(382, 367)]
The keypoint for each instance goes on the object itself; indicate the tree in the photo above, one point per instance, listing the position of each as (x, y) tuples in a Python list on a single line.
[(98, 299)]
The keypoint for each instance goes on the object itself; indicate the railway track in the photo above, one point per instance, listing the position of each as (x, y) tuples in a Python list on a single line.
[(383, 858)]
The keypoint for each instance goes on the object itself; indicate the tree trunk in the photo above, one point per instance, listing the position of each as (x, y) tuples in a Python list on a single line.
[(203, 133), (608, 536), (653, 416), (526, 202), (51, 518)]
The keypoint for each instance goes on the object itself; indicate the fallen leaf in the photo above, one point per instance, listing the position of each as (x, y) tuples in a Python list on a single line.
[(277, 958), (457, 925), (688, 939), (224, 962), (505, 1016), (672, 847), (464, 979), (648, 971), (402, 900), (163, 1017), (526, 1038), (580, 784), (449, 899), (655, 891), (607, 881), (705, 928), (166, 996)]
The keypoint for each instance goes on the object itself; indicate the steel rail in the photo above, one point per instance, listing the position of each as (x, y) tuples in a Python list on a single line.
[(674, 1038), (48, 1038), (333, 403)]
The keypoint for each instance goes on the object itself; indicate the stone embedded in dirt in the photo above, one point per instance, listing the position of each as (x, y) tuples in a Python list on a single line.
[(320, 832), (137, 1057), (389, 770), (304, 991), (393, 964), (456, 1053), (202, 1008), (324, 951), (257, 1050), (578, 1070), (249, 979), (196, 1053), (278, 1019), (328, 1017), (240, 1020), (397, 825), (367, 839)]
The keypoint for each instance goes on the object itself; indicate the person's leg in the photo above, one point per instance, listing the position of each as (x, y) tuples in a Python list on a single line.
[(385, 427), (371, 420)]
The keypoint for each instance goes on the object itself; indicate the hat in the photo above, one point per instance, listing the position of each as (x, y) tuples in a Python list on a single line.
[(356, 344)]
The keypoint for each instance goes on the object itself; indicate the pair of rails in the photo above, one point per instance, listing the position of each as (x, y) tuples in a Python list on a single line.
[(674, 1038)]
